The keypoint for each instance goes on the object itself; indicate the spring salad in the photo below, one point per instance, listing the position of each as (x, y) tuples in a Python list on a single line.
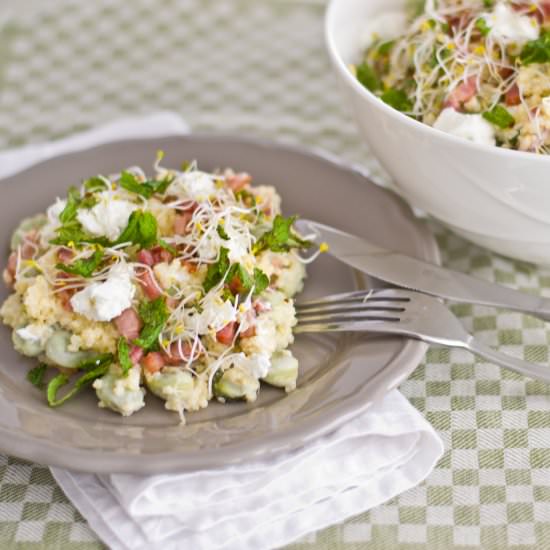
[(181, 285), (477, 69)]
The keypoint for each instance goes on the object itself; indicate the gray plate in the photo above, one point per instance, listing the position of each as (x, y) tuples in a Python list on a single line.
[(339, 376)]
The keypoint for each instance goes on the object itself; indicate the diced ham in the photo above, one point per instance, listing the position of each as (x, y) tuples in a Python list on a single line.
[(171, 302), (65, 298), (261, 306), (154, 256), (462, 93), (65, 255), (227, 334), (128, 323), (64, 295), (190, 266), (235, 285), (28, 249), (249, 321), (8, 277), (136, 353), (175, 357), (237, 182), (512, 96), (542, 14), (187, 206), (249, 332), (181, 222), (12, 263), (146, 257), (506, 72), (149, 284), (153, 362), (161, 255)]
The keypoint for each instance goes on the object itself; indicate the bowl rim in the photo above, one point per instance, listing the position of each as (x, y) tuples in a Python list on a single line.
[(401, 118)]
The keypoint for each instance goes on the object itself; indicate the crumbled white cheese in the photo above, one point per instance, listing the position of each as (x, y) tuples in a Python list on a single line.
[(471, 127), (107, 218), (384, 27), (215, 315), (35, 332), (105, 301), (194, 185), (257, 365), (48, 232), (239, 243), (507, 25)]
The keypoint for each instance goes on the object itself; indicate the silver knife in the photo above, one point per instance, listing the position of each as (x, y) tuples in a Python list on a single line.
[(407, 272)]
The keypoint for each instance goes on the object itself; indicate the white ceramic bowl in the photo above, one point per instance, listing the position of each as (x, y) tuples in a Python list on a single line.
[(497, 198)]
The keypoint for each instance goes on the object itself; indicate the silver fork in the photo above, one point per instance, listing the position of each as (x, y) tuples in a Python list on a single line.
[(404, 312)]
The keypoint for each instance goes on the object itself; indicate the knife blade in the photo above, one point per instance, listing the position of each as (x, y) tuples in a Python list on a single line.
[(408, 272)]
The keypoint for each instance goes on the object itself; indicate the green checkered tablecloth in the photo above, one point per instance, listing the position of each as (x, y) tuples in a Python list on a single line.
[(259, 67)]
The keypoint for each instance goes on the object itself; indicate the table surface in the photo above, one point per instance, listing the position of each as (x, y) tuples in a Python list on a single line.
[(259, 67)]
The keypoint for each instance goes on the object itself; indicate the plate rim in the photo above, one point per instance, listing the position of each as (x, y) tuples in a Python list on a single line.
[(87, 460)]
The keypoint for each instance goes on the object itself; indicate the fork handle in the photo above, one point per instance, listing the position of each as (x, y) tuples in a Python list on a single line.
[(520, 366)]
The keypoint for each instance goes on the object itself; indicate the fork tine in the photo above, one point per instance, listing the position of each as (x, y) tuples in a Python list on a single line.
[(354, 307), (349, 316), (359, 296), (362, 324)]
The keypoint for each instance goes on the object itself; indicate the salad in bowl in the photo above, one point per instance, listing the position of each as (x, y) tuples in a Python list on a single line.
[(477, 69), (180, 284)]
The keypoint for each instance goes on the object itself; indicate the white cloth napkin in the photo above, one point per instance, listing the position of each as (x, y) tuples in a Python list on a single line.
[(259, 505)]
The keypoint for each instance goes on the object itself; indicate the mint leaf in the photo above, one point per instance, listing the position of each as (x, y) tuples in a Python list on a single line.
[(222, 233), (238, 279), (141, 230), (242, 282), (216, 272), (62, 380), (73, 233), (281, 237), (397, 99), (261, 281), (94, 368), (154, 315), (385, 47), (482, 26), (536, 51), (367, 76), (95, 184), (84, 267), (166, 246), (99, 360), (54, 386), (36, 376), (499, 116), (146, 189), (123, 352), (73, 201)]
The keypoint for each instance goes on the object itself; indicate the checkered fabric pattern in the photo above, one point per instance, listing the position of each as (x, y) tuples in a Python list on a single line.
[(259, 67)]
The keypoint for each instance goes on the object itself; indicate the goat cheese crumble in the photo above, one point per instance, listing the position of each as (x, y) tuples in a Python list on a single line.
[(106, 300), (108, 217)]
